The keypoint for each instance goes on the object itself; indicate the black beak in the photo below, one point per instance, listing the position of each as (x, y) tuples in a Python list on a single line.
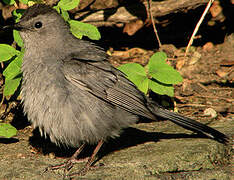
[(16, 26)]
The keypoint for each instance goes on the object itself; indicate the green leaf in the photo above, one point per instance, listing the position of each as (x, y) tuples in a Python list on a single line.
[(24, 1), (133, 69), (7, 130), (14, 68), (140, 81), (9, 2), (136, 73), (57, 8), (143, 84), (7, 52), (11, 85), (68, 4), (159, 55), (80, 29), (161, 71), (65, 15), (161, 89), (17, 38), (17, 14)]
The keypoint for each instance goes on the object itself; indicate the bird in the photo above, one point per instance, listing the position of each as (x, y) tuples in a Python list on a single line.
[(72, 93)]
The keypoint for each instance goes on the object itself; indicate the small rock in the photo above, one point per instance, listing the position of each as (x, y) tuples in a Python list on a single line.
[(210, 112), (51, 156), (20, 155)]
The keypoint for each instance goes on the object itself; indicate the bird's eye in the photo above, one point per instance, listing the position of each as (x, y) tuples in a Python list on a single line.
[(38, 25)]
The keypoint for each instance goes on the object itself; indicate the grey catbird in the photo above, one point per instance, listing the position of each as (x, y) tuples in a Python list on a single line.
[(73, 94)]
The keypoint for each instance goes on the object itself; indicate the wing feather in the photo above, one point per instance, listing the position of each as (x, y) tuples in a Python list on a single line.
[(107, 83)]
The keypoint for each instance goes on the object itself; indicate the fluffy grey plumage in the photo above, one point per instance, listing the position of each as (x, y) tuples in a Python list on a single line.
[(72, 93)]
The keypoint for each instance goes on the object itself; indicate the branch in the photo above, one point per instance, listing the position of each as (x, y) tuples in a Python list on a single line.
[(123, 14)]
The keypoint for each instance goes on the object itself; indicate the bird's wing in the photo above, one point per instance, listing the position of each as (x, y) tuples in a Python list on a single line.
[(86, 51), (109, 84), (105, 82)]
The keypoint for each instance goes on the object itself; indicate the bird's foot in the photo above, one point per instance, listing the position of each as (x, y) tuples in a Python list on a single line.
[(67, 165), (84, 170)]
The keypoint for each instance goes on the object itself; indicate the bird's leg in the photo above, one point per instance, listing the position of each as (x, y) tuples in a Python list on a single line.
[(69, 163), (85, 169), (73, 159)]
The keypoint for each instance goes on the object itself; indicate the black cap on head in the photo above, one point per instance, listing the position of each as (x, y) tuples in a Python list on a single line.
[(36, 10)]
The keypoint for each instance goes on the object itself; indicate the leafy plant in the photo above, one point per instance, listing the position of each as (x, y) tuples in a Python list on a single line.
[(13, 58), (157, 75), (12, 72), (7, 131)]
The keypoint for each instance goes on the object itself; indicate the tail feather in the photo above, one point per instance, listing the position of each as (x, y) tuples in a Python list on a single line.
[(190, 124)]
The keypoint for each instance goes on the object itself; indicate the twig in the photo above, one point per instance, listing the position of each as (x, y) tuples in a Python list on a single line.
[(3, 97), (213, 97), (217, 97), (153, 23), (192, 105), (197, 26)]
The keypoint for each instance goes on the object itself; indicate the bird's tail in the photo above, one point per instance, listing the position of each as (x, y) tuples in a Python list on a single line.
[(190, 124)]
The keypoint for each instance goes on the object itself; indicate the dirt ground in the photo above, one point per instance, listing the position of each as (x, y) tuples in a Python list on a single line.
[(206, 95), (208, 77)]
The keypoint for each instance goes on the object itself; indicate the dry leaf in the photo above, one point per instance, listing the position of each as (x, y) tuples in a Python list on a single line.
[(227, 63), (132, 27), (208, 46), (215, 9), (180, 62), (195, 57), (7, 11), (221, 73)]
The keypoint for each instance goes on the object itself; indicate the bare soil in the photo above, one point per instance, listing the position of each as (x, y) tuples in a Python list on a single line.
[(155, 150)]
